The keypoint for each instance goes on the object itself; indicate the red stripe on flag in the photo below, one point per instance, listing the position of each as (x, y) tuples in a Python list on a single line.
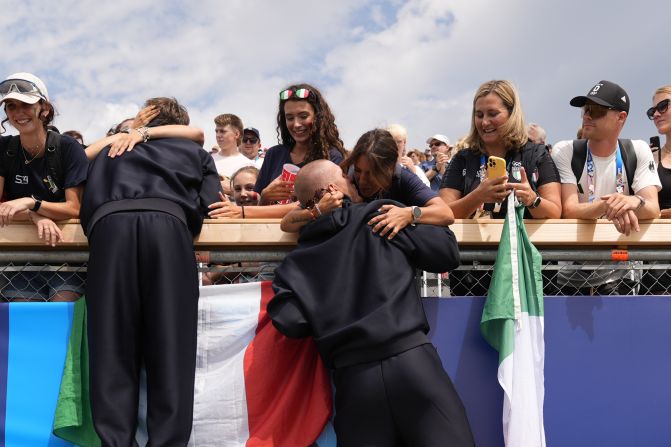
[(288, 387)]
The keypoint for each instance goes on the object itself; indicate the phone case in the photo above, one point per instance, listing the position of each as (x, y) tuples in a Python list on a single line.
[(496, 167)]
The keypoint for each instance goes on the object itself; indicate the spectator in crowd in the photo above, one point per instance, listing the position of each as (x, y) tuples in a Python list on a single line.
[(400, 135), (440, 148), (142, 289), (242, 184), (390, 386), (428, 155), (536, 133), (497, 129), (228, 128), (661, 116), (604, 176), (251, 145), (416, 156), (76, 135), (307, 132), (42, 175)]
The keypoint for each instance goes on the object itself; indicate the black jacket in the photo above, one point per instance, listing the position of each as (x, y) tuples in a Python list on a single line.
[(353, 290), (171, 175)]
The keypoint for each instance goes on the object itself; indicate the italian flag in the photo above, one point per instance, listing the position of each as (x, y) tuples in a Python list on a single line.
[(254, 387), (512, 322)]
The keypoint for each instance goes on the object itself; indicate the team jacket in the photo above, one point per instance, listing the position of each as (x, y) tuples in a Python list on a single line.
[(169, 175), (355, 291)]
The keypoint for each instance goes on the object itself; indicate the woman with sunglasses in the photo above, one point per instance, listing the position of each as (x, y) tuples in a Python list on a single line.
[(498, 129), (660, 114), (42, 176), (307, 131)]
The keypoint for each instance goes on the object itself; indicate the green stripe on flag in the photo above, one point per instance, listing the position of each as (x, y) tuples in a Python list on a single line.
[(73, 421)]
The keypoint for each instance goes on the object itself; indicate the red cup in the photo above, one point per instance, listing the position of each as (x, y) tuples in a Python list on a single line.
[(289, 172)]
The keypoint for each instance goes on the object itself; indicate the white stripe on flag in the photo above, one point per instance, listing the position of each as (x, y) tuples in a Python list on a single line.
[(514, 262)]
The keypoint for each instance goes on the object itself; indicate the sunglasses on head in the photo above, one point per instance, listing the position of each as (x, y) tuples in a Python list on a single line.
[(250, 140), (661, 107), (296, 93), (19, 86), (595, 111)]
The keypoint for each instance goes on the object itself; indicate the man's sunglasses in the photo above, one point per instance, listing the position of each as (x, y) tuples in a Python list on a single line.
[(296, 93), (436, 143), (661, 107), (595, 111), (310, 204), (19, 86), (250, 140)]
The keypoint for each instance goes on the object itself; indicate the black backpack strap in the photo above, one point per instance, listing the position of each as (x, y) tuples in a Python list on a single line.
[(630, 161), (10, 157), (54, 160), (579, 158)]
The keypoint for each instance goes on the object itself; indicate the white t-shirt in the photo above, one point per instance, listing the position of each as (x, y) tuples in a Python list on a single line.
[(605, 169), (227, 165), (604, 183)]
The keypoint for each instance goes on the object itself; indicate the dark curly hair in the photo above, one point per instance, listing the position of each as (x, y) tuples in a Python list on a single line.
[(324, 133)]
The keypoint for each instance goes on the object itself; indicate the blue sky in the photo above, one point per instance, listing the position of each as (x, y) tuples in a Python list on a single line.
[(415, 62)]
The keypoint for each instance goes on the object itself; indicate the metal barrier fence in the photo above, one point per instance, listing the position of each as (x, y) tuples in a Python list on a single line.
[(61, 275)]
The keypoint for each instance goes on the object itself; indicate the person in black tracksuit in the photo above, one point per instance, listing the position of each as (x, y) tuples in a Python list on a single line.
[(141, 212), (354, 292)]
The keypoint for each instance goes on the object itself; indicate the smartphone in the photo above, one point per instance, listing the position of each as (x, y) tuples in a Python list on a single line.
[(654, 142), (496, 167)]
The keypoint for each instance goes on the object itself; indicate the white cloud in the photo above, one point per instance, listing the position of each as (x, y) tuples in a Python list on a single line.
[(416, 62)]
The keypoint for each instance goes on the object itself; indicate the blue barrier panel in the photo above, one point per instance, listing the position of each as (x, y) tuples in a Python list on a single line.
[(606, 369)]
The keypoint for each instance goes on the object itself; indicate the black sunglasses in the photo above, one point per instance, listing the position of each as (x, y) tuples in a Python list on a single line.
[(251, 140), (310, 204), (661, 107)]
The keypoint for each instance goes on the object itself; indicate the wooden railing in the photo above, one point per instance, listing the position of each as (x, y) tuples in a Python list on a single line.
[(266, 233)]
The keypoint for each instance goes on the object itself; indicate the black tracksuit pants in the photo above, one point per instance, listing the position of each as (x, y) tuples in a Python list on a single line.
[(404, 400), (142, 300)]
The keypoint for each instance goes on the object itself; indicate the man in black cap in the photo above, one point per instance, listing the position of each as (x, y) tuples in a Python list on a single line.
[(606, 177), (354, 292), (251, 143)]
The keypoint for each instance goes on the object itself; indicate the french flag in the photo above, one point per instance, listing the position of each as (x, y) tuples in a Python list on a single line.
[(254, 387)]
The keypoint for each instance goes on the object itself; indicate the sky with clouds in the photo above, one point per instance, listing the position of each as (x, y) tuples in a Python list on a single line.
[(415, 62)]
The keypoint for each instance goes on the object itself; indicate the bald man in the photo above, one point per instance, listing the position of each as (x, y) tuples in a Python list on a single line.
[(354, 293)]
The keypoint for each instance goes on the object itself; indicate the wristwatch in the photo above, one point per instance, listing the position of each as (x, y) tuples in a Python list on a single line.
[(416, 214), (38, 204), (536, 202)]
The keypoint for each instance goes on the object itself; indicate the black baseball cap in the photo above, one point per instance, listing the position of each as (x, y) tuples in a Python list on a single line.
[(605, 93), (253, 130)]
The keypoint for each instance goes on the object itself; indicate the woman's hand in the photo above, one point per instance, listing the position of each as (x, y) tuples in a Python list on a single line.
[(224, 209), (11, 207), (145, 116), (46, 229), (277, 190), (523, 190), (493, 190), (391, 219), (665, 214), (124, 142)]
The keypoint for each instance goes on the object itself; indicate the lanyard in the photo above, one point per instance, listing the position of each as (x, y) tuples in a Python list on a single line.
[(619, 173)]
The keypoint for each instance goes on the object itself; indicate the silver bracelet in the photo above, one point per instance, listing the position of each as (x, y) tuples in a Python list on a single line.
[(144, 132)]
